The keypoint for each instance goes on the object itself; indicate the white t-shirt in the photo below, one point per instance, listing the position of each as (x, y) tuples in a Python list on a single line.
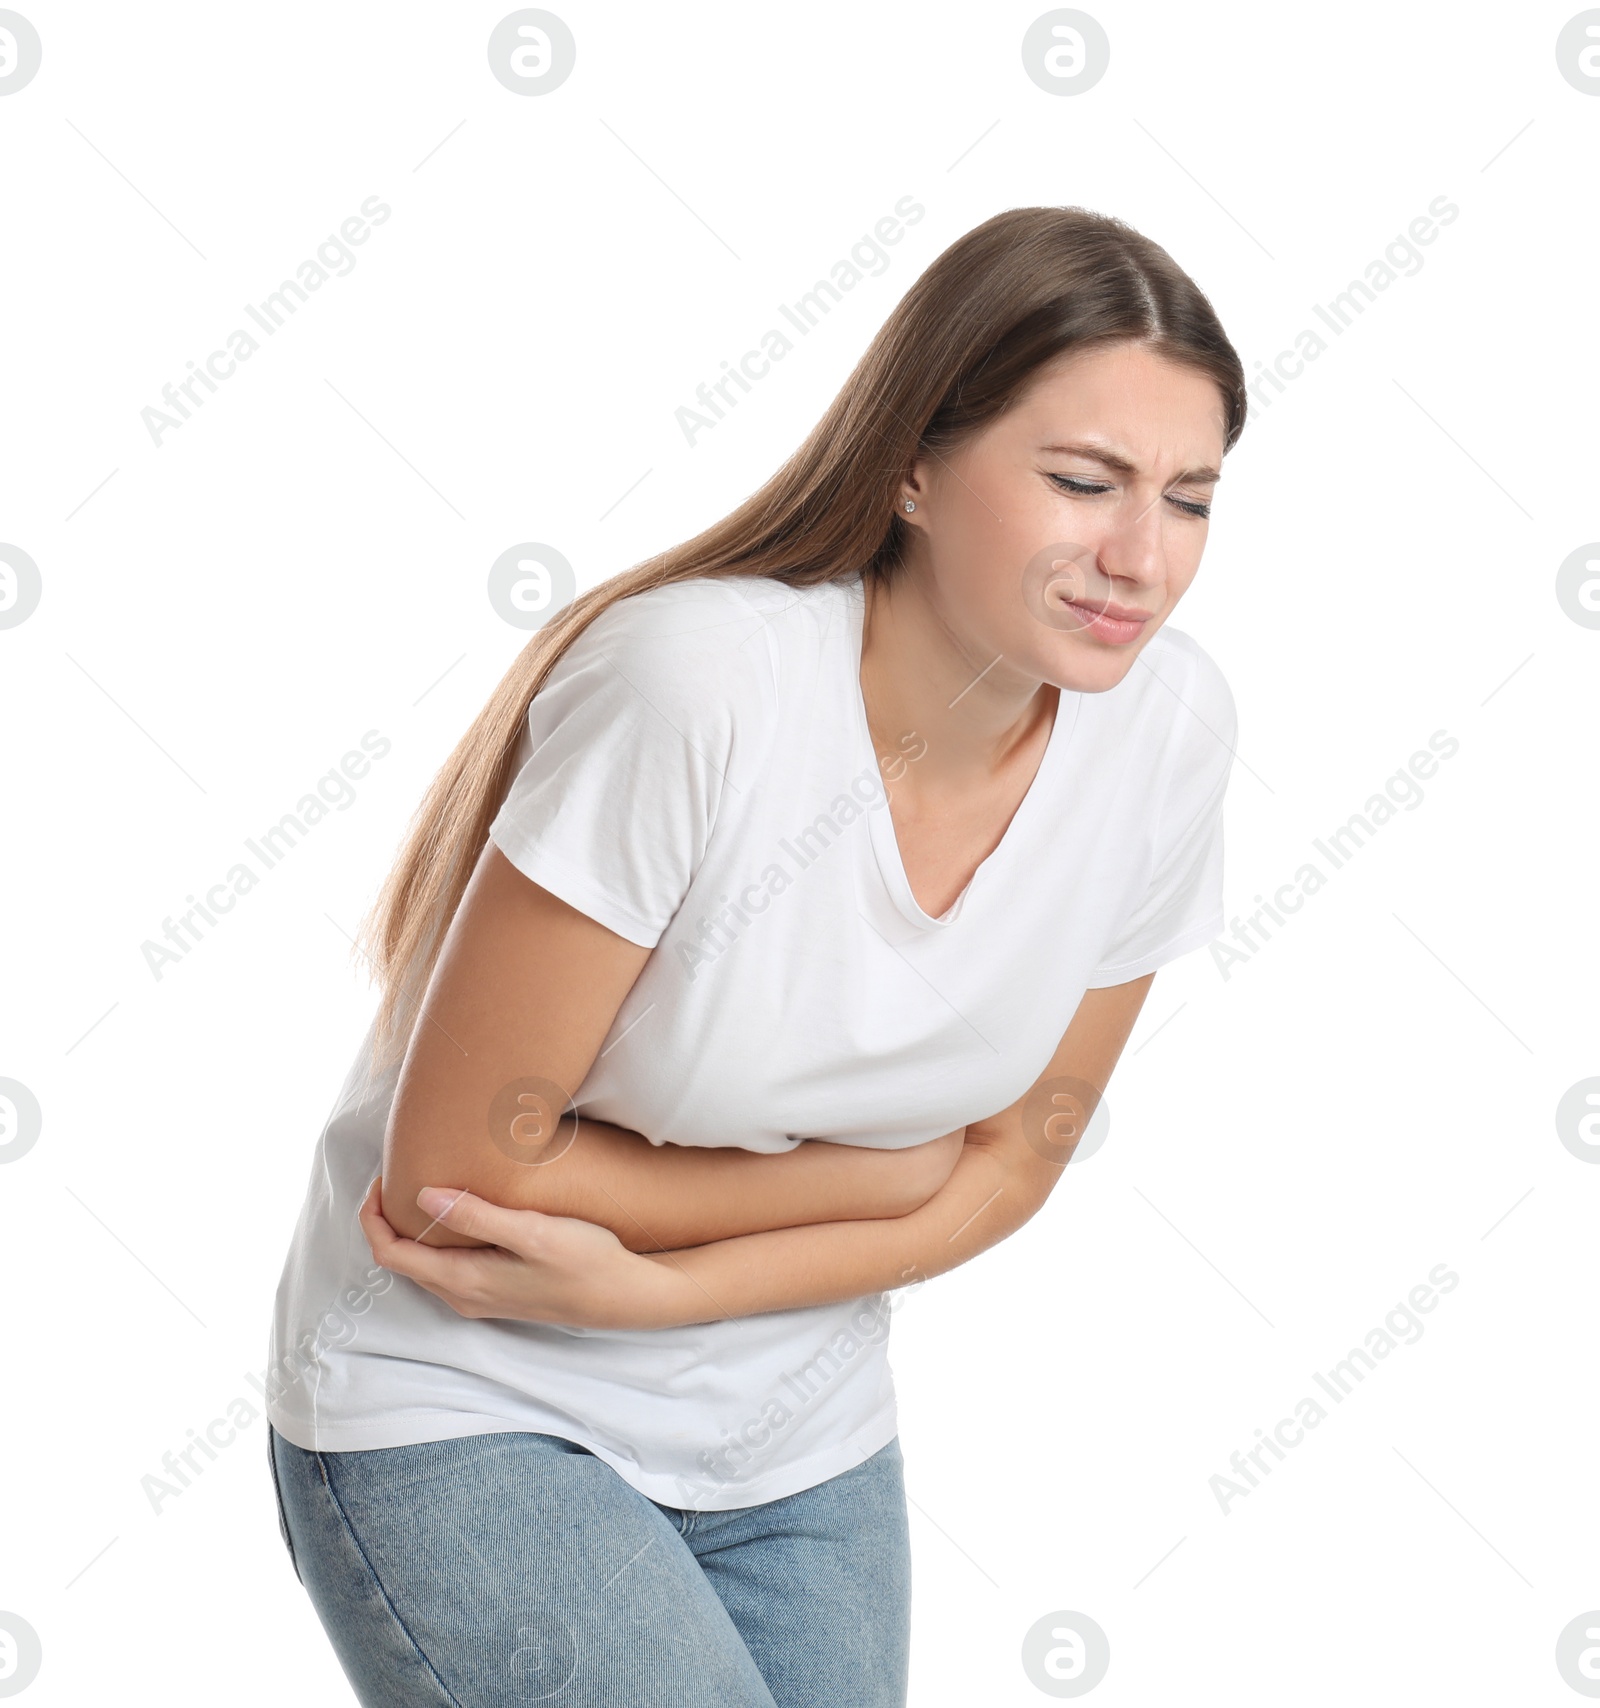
[(697, 774)]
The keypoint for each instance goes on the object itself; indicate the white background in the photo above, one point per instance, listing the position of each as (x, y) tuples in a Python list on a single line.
[(1293, 1146)]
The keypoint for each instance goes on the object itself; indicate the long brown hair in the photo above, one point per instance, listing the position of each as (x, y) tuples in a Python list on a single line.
[(1017, 291)]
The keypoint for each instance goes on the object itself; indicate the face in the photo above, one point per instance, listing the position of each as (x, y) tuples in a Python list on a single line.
[(1060, 537)]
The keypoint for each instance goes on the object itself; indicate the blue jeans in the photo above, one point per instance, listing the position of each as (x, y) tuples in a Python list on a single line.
[(497, 1569)]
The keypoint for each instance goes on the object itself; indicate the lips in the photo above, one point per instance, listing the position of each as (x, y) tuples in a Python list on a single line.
[(1121, 613), (1108, 625)]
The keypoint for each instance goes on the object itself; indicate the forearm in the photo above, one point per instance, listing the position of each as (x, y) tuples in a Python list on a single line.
[(565, 1270), (663, 1197), (989, 1195)]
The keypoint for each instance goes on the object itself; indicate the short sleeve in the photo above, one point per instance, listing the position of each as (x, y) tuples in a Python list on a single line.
[(629, 745), (1181, 907)]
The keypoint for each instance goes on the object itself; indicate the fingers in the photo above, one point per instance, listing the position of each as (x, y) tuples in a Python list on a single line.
[(467, 1213), (455, 1273), (380, 1236), (441, 1269), (370, 1215)]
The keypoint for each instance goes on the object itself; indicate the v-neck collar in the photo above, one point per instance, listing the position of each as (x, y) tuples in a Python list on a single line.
[(886, 845)]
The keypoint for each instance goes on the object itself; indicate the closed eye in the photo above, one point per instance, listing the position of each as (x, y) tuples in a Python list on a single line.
[(1091, 488)]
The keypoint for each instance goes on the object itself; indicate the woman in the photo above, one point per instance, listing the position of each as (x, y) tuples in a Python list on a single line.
[(696, 1042)]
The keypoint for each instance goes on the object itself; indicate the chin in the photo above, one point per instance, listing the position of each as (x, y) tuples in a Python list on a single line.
[(1087, 667)]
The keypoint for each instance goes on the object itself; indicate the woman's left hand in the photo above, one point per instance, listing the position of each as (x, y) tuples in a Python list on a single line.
[(535, 1268)]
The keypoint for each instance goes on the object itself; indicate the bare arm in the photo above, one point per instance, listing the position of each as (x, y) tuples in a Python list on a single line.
[(1008, 1165), (526, 989)]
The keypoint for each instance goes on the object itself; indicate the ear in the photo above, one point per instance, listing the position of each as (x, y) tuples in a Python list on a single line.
[(913, 488)]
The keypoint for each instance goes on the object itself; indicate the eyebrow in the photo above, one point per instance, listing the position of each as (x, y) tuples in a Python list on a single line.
[(1201, 476)]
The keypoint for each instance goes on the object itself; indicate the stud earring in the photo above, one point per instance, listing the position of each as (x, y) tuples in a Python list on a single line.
[(910, 505)]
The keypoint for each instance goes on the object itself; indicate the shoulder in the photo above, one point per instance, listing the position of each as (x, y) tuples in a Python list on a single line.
[(1187, 669), (710, 636), (702, 618), (689, 662), (1198, 701), (684, 638), (1173, 718)]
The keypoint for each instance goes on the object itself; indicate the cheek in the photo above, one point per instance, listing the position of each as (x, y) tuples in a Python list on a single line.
[(989, 538), (1183, 562)]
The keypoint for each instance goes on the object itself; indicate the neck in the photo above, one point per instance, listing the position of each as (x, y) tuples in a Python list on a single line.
[(922, 681)]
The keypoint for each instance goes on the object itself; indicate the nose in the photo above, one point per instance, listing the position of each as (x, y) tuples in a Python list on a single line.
[(1132, 548)]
